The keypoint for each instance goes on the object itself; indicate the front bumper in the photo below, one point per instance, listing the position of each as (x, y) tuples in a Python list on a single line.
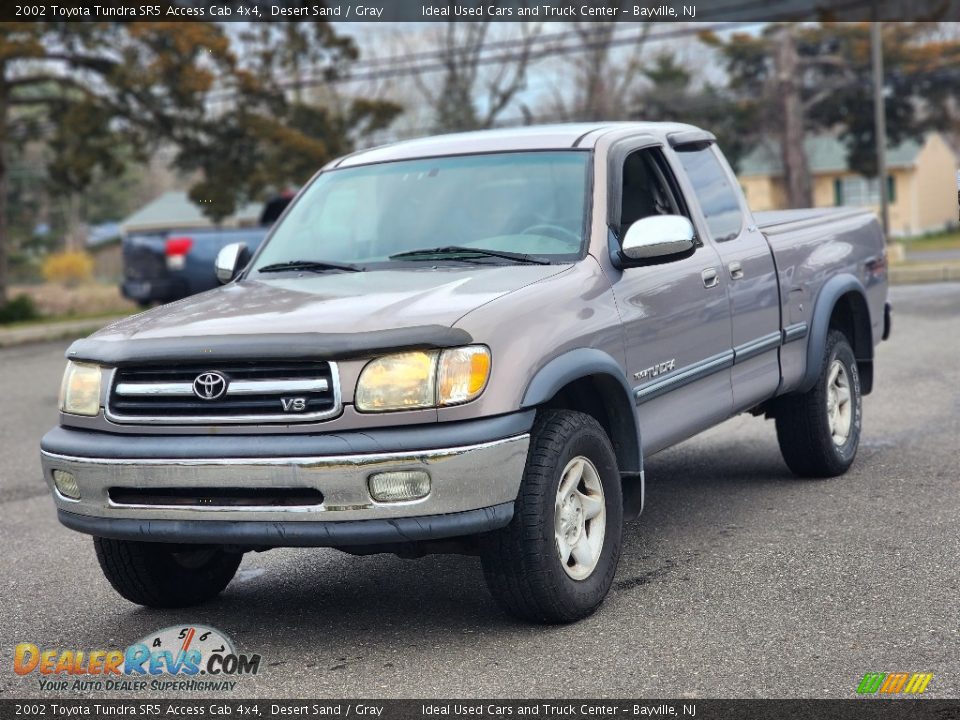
[(163, 289), (319, 533), (472, 490)]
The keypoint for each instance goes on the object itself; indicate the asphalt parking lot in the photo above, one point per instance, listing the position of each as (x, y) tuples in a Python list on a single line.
[(737, 581)]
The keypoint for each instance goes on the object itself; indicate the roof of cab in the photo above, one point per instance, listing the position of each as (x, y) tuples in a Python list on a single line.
[(531, 137)]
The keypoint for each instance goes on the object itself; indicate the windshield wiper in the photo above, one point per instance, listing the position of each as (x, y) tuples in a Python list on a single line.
[(455, 250), (310, 266)]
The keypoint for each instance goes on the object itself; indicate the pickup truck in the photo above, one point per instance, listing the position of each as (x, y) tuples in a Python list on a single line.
[(162, 265), (467, 344)]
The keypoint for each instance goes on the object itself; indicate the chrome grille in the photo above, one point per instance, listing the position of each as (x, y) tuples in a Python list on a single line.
[(255, 392)]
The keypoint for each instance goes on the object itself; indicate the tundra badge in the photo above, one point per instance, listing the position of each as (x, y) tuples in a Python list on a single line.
[(654, 370)]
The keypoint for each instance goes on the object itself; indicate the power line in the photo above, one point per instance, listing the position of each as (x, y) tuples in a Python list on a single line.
[(408, 64), (398, 66), (532, 54), (713, 14)]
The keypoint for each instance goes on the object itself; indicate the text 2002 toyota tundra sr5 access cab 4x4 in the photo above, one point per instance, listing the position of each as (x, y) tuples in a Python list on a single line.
[(467, 344)]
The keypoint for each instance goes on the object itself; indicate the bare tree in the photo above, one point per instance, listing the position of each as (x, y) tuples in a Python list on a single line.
[(603, 73), (476, 85)]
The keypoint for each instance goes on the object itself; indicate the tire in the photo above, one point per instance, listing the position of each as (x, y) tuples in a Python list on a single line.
[(160, 575), (809, 445), (522, 562)]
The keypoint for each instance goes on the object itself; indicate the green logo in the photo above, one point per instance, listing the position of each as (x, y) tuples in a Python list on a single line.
[(893, 683)]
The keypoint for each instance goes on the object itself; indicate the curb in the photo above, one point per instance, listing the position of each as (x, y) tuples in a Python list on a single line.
[(49, 332)]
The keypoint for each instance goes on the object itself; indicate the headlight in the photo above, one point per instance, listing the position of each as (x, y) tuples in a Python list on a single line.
[(398, 382), (80, 390), (412, 380)]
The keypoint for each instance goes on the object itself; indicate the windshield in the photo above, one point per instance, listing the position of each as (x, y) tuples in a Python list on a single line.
[(529, 203)]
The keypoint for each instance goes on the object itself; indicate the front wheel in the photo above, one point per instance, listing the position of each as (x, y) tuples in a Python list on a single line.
[(556, 559), (819, 431), (161, 575)]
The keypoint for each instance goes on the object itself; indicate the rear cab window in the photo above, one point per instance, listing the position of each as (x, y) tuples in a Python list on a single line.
[(718, 198)]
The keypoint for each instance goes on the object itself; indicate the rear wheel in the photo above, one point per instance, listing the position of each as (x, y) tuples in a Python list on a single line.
[(162, 575), (556, 559), (819, 431)]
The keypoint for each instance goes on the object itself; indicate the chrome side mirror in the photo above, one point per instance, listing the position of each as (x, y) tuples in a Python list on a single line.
[(230, 260), (658, 237)]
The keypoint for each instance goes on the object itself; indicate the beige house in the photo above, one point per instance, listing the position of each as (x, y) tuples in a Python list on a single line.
[(921, 181)]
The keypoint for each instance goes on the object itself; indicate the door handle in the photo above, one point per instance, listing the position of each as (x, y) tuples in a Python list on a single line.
[(711, 278), (736, 270)]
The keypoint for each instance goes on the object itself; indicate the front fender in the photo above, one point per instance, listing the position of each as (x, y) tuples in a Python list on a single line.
[(616, 396)]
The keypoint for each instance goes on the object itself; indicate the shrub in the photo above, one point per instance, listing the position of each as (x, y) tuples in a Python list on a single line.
[(68, 268), (19, 309), (23, 268)]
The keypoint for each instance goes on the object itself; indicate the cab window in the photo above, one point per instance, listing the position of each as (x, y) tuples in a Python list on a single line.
[(718, 199), (646, 189)]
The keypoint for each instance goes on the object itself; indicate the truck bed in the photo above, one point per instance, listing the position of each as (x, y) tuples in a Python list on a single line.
[(813, 247), (775, 222)]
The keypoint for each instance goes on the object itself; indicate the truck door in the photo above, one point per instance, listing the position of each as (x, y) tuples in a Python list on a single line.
[(675, 315), (747, 266)]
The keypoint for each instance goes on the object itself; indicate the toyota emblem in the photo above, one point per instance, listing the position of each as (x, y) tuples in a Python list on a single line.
[(209, 386)]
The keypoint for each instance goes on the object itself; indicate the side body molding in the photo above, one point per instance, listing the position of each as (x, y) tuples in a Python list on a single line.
[(616, 397), (832, 290)]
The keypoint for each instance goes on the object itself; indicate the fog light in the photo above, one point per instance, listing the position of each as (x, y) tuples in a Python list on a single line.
[(399, 485), (66, 484)]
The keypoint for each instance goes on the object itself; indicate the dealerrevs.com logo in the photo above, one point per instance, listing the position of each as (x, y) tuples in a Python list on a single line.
[(178, 658)]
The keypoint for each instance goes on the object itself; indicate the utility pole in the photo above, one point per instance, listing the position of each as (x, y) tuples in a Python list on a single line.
[(793, 156), (880, 121)]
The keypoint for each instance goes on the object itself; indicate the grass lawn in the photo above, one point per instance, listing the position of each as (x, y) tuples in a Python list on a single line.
[(56, 303), (940, 241), (53, 319)]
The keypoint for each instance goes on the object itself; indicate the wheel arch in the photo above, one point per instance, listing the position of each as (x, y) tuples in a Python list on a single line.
[(841, 305), (591, 381)]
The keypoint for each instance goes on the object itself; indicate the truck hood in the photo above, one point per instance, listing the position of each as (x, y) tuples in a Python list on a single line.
[(345, 313)]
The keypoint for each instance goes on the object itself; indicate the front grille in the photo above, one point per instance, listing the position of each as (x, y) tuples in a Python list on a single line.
[(252, 392)]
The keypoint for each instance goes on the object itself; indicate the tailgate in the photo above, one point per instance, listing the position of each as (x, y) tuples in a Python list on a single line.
[(143, 258)]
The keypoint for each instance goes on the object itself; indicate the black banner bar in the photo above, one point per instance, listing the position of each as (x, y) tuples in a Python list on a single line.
[(627, 11), (853, 709)]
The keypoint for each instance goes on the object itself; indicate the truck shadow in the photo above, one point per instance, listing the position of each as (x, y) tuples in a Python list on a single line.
[(695, 498)]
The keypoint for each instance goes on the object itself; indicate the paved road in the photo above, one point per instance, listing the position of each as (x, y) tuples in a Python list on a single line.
[(738, 580)]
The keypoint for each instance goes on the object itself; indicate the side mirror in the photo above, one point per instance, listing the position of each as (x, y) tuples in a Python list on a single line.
[(230, 260), (658, 237)]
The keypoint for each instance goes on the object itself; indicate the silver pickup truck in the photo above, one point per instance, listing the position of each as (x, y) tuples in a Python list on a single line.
[(467, 344)]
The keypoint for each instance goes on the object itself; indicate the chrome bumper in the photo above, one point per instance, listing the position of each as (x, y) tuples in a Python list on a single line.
[(467, 478)]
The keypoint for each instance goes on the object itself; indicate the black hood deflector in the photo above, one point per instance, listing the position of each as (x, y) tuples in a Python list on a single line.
[(280, 346)]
